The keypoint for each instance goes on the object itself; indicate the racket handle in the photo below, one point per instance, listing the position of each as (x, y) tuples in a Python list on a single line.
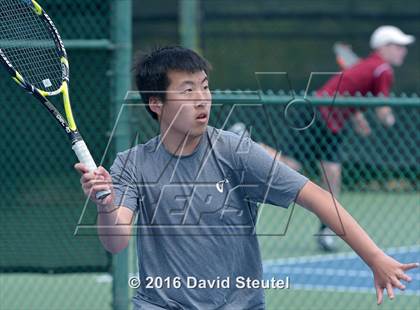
[(85, 158)]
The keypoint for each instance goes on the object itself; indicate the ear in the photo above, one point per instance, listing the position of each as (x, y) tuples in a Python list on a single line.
[(155, 104)]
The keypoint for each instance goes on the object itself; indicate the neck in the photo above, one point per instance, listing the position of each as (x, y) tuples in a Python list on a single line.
[(382, 54), (179, 144)]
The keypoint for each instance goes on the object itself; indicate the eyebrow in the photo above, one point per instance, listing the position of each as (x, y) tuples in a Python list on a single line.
[(192, 83)]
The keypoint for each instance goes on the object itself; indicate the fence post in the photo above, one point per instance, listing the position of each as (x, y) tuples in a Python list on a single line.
[(122, 59), (189, 18)]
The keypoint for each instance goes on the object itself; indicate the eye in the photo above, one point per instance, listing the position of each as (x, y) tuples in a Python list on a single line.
[(187, 91), (206, 87)]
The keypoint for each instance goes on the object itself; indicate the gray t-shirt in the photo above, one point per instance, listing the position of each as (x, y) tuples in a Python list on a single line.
[(196, 218)]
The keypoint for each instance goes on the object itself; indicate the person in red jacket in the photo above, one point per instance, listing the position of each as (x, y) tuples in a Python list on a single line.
[(374, 75)]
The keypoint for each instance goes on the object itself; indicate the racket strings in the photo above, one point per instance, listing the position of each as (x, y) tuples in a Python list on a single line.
[(28, 43)]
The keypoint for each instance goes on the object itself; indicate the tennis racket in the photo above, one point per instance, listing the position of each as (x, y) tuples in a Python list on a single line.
[(345, 56), (33, 53)]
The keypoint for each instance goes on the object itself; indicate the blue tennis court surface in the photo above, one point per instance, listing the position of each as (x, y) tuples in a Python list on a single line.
[(339, 272)]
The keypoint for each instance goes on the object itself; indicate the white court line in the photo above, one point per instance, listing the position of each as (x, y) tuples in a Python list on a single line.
[(338, 256), (274, 266), (346, 289), (325, 272)]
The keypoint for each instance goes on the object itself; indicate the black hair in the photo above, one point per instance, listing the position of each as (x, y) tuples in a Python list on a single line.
[(151, 71)]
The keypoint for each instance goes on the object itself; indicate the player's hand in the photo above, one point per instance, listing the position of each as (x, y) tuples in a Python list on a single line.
[(361, 125), (387, 275), (96, 181), (385, 116)]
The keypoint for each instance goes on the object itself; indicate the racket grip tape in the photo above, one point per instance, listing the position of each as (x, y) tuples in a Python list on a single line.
[(84, 156)]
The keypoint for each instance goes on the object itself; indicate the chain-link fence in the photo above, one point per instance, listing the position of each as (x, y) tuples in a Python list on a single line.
[(291, 36), (43, 264), (380, 177)]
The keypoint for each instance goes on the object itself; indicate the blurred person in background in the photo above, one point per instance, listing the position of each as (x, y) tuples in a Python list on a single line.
[(373, 74)]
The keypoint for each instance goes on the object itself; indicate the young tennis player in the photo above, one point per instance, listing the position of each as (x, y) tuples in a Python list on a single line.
[(372, 74), (195, 190)]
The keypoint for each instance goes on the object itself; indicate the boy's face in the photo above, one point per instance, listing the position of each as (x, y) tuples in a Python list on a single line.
[(188, 102), (395, 54)]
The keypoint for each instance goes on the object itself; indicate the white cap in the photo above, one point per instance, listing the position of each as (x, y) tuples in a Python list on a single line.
[(389, 35)]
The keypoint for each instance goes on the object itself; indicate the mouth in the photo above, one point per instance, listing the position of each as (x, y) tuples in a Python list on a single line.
[(202, 117)]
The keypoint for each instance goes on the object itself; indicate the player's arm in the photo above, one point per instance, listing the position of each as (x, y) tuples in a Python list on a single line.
[(387, 271), (385, 115), (114, 222), (360, 123), (382, 86)]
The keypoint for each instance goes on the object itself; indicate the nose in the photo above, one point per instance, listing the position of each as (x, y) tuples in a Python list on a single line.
[(202, 98)]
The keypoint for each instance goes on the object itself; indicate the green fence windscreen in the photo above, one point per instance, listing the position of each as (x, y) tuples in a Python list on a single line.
[(42, 200), (43, 265)]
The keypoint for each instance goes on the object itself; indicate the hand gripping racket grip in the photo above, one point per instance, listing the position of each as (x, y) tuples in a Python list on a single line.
[(85, 158)]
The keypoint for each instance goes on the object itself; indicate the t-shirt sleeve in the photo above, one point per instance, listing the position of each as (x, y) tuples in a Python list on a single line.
[(268, 180), (124, 182)]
